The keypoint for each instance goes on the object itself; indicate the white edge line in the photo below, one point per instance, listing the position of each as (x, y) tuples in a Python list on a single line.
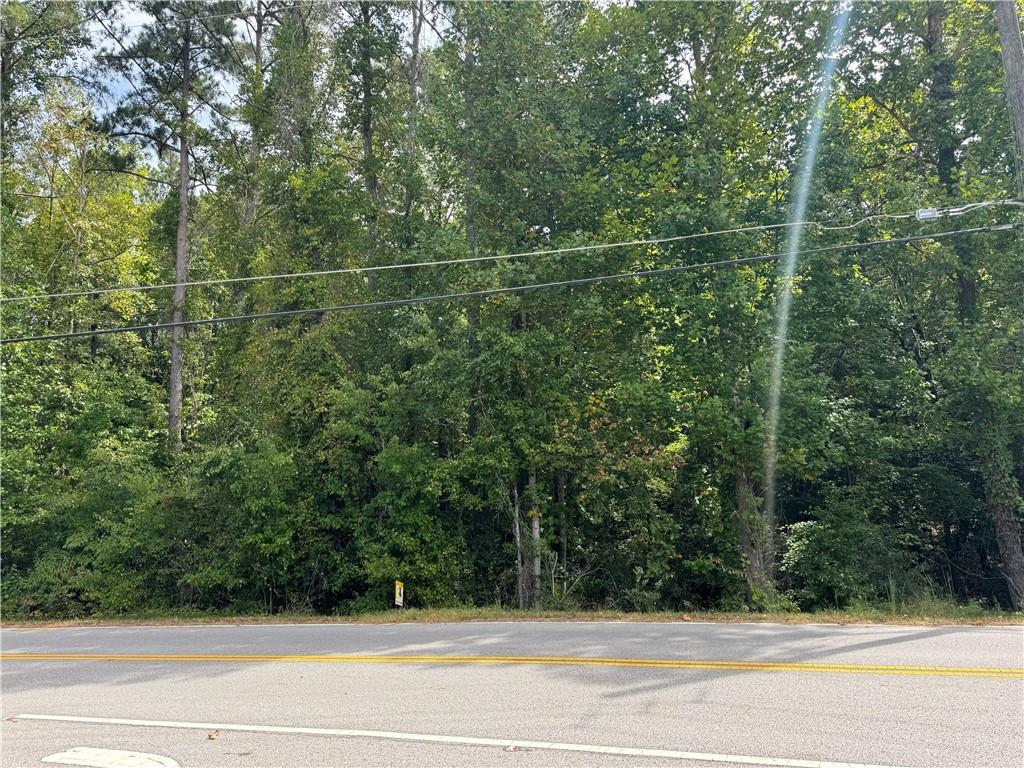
[(519, 622), (460, 740), (108, 758)]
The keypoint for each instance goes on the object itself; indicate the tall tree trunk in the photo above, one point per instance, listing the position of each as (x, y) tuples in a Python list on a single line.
[(535, 551), (252, 197), (181, 248), (6, 85), (414, 110), (369, 159), (299, 123), (473, 311), (517, 535), (1002, 497), (991, 447), (755, 538), (1013, 69), (563, 514)]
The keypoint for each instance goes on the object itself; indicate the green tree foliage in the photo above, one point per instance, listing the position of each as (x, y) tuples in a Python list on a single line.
[(574, 447), (36, 39)]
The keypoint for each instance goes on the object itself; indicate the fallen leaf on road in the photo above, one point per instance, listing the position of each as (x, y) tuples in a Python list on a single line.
[(213, 734)]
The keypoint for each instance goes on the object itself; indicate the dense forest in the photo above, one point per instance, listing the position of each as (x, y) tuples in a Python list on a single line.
[(596, 444)]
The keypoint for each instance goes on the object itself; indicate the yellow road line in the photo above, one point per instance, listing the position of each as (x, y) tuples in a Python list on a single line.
[(578, 661)]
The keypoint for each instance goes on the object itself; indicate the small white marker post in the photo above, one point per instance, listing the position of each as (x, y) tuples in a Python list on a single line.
[(399, 594)]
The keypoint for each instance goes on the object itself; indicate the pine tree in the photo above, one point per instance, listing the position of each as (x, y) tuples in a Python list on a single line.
[(174, 69)]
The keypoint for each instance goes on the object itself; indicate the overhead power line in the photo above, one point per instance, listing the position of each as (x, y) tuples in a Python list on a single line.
[(96, 292), (509, 289)]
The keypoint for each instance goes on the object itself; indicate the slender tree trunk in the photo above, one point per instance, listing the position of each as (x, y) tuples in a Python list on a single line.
[(563, 514), (296, 121), (369, 159), (252, 195), (517, 535), (258, 41), (6, 90), (1013, 65), (414, 109), (94, 341), (755, 538), (1003, 500), (1002, 497), (181, 249), (535, 551), (473, 312), (755, 524)]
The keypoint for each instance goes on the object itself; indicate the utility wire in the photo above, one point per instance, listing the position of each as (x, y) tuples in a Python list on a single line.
[(949, 211), (509, 289)]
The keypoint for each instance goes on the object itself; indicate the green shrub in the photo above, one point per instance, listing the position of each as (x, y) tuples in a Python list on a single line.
[(842, 555), (53, 588)]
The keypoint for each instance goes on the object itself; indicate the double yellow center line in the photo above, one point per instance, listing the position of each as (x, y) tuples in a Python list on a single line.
[(572, 661)]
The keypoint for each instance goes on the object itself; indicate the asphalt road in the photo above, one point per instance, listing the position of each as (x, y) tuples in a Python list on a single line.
[(518, 695)]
